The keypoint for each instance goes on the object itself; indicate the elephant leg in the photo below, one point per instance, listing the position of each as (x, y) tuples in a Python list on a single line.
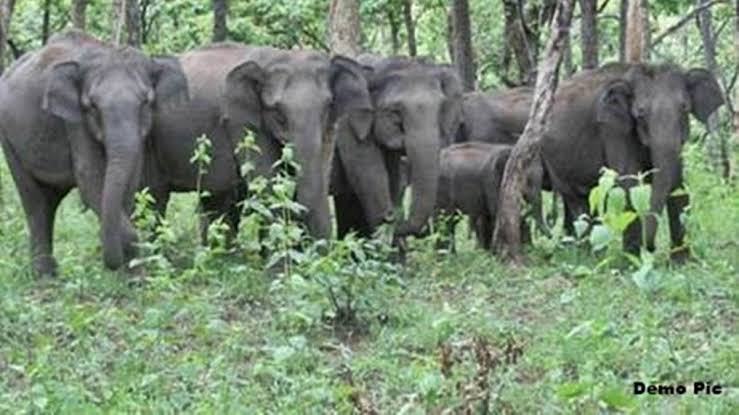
[(213, 207), (39, 204), (484, 231), (675, 208), (574, 208), (349, 216)]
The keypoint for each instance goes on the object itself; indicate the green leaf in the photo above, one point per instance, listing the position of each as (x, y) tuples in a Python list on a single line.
[(616, 201), (572, 390), (581, 225), (595, 199), (617, 398), (622, 221), (640, 196), (600, 237)]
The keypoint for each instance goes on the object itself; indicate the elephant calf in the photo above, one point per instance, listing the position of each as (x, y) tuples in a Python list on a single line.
[(471, 174)]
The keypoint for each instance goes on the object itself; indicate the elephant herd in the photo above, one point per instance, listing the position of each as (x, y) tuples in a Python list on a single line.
[(110, 121)]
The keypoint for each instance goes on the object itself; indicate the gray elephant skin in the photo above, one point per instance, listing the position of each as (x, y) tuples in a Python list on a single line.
[(471, 174), (417, 110), (76, 113), (282, 96), (631, 118), (495, 117)]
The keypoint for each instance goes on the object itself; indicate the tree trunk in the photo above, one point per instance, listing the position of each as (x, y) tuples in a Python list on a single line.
[(507, 236), (394, 30), (622, 23), (79, 14), (463, 58), (589, 33), (450, 35), (410, 26), (117, 18), (220, 16), (637, 31), (46, 22), (133, 23), (522, 40), (716, 145), (344, 29), (6, 12)]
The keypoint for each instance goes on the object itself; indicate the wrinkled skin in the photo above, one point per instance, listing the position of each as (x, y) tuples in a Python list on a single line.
[(496, 118), (631, 118), (281, 96), (76, 113), (417, 110), (471, 174)]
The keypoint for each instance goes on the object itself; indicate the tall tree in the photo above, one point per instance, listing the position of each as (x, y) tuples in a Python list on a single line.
[(118, 20), (220, 16), (589, 33), (717, 146), (45, 25), (526, 152), (6, 12), (394, 29), (463, 58), (79, 14), (133, 23), (637, 31), (410, 27), (344, 27), (623, 18)]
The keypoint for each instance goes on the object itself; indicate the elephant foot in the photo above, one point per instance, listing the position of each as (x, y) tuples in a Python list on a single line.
[(45, 266), (680, 255)]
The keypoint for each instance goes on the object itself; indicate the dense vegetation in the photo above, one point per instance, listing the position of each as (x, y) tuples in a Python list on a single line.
[(338, 327)]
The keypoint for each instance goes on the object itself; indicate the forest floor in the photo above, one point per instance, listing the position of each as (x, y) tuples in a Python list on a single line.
[(563, 334)]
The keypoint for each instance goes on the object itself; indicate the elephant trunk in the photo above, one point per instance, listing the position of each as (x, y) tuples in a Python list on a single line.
[(123, 149), (666, 161), (422, 150), (313, 152)]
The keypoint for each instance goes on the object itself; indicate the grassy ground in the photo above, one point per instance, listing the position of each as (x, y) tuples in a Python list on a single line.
[(215, 335)]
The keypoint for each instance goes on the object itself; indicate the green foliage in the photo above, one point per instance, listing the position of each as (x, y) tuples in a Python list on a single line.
[(274, 322)]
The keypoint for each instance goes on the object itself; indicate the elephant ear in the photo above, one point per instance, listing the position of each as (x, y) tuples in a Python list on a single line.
[(170, 83), (705, 93), (62, 93), (351, 98), (241, 98), (451, 108), (613, 105)]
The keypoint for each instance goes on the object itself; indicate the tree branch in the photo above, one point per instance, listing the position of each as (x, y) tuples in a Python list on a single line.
[(685, 19)]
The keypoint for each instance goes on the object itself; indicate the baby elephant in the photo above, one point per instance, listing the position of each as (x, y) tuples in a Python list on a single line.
[(471, 174)]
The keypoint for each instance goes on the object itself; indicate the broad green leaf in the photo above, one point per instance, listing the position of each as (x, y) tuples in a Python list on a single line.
[(572, 390), (616, 201), (616, 397), (600, 237), (640, 196)]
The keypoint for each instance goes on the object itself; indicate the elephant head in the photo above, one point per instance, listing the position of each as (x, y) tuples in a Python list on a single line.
[(112, 93), (652, 104), (297, 97), (417, 112)]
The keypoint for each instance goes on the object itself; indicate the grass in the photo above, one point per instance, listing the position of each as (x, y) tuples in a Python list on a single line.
[(450, 332)]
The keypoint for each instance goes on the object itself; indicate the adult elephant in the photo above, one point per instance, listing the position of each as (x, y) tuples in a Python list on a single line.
[(283, 96), (496, 118), (416, 113), (631, 118), (76, 113)]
